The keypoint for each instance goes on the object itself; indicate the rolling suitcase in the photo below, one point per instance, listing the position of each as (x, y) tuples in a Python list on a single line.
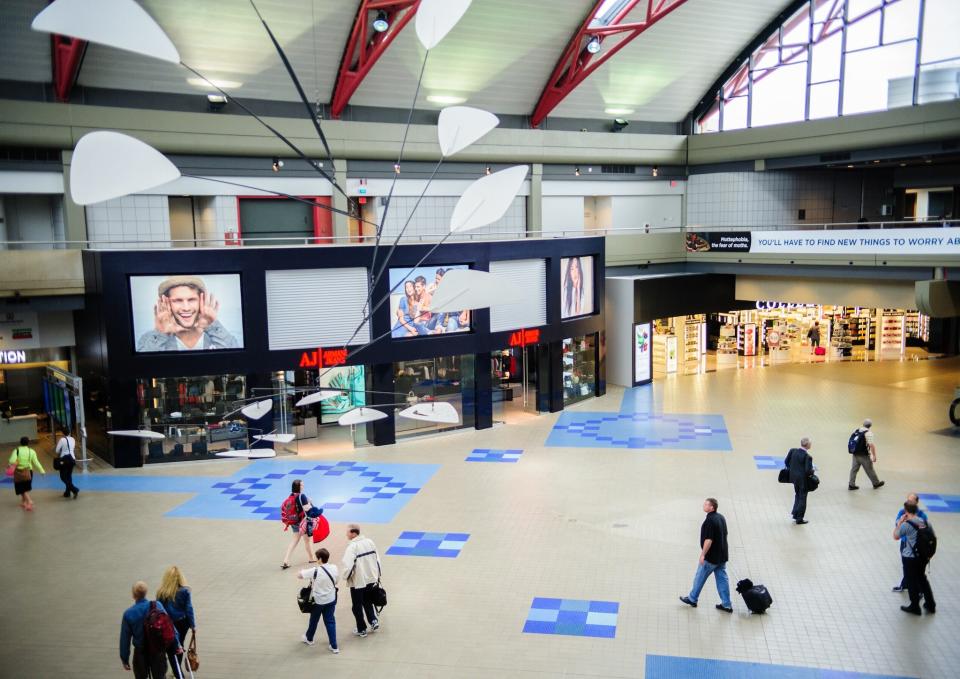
[(756, 597)]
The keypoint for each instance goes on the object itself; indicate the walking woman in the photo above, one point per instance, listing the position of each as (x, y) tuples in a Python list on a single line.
[(25, 459), (305, 519), (174, 594)]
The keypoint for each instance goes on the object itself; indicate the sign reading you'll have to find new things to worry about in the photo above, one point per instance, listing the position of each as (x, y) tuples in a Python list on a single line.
[(923, 241)]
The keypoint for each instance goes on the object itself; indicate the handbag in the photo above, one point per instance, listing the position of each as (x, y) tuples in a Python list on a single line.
[(57, 463), (192, 659), (783, 476), (378, 596), (813, 482), (305, 598)]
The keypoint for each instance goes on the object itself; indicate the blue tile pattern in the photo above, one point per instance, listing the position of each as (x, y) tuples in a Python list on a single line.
[(940, 503), (494, 455), (638, 425), (572, 617), (674, 667), (417, 543), (348, 491), (768, 462)]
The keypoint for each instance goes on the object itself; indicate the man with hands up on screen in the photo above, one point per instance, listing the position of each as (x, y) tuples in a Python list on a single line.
[(185, 319)]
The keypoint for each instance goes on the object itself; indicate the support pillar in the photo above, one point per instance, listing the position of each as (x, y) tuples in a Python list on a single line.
[(74, 216), (483, 391), (535, 202), (341, 223)]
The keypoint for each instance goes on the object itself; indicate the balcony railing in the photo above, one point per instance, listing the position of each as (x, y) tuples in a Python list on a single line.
[(831, 226)]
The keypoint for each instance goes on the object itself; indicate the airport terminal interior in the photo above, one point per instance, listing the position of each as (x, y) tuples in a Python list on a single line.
[(528, 295)]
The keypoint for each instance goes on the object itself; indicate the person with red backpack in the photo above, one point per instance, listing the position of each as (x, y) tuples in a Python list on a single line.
[(298, 512), (151, 631)]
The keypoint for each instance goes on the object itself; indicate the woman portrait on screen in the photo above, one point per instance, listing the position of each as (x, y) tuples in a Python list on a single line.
[(572, 300), (404, 325)]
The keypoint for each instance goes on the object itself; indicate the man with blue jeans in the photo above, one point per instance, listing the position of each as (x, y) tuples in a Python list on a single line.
[(713, 558), (915, 499)]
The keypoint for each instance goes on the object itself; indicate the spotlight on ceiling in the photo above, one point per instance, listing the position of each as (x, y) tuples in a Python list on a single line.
[(487, 170), (277, 164), (576, 171), (216, 101), (594, 45), (396, 168), (655, 171), (380, 24), (618, 124)]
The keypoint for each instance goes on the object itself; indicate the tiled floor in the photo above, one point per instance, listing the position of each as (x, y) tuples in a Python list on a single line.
[(578, 520)]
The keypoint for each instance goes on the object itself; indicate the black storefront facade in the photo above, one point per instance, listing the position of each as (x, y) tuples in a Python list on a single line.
[(121, 382)]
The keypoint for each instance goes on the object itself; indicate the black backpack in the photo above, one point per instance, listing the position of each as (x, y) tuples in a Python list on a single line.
[(756, 597), (925, 546), (857, 445)]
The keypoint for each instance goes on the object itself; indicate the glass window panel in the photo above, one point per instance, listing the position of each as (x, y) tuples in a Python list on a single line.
[(735, 114), (710, 121), (939, 82), (900, 20), (857, 8), (824, 100), (941, 28), (794, 55), (826, 8), (768, 54), (864, 33), (826, 59), (796, 31), (778, 95), (733, 86), (873, 75)]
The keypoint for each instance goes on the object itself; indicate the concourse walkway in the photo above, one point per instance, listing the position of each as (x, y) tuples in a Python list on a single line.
[(553, 546)]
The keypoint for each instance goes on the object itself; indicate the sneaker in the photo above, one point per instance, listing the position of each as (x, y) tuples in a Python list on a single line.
[(687, 601), (725, 609), (375, 625), (335, 651), (852, 487), (877, 485), (898, 588), (307, 641), (360, 634)]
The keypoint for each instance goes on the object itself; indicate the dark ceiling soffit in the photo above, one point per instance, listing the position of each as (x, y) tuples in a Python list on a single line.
[(576, 64), (363, 50), (711, 94)]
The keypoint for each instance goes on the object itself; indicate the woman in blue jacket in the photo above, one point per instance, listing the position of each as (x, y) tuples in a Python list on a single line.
[(174, 594)]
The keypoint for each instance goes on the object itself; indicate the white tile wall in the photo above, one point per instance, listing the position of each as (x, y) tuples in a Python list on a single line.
[(130, 222), (433, 217), (759, 198)]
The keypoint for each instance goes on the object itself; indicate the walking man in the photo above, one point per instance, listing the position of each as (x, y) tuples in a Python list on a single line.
[(66, 451), (813, 334), (914, 565), (132, 629), (713, 558), (915, 499), (361, 569), (864, 451), (800, 465), (323, 579)]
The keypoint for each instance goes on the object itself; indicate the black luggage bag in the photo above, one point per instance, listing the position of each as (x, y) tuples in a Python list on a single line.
[(756, 597)]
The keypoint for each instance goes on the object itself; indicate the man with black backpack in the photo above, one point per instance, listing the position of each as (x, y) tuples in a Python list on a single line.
[(916, 550), (151, 630), (864, 452)]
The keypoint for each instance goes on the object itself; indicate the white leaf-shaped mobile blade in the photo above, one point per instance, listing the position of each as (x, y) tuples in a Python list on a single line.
[(115, 23), (436, 18), (361, 415), (258, 409), (486, 200), (249, 453), (109, 165), (275, 438), (461, 289), (317, 397), (460, 126), (137, 433), (435, 411)]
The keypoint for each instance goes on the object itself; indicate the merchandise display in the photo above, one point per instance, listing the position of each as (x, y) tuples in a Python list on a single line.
[(579, 368)]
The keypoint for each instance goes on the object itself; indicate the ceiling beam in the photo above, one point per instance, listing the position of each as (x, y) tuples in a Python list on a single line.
[(67, 57), (367, 45), (577, 62)]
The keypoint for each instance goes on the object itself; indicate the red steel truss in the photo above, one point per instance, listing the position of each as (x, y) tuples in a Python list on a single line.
[(366, 46), (577, 63), (67, 56)]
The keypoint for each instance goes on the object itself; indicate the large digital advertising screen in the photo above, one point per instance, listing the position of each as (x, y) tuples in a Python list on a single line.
[(349, 378), (576, 287), (410, 313), (187, 312), (642, 355)]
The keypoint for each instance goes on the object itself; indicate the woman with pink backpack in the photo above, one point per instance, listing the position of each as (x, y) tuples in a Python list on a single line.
[(298, 512)]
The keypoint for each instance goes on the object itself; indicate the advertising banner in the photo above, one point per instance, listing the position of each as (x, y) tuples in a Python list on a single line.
[(919, 241), (642, 355), (410, 303), (576, 287)]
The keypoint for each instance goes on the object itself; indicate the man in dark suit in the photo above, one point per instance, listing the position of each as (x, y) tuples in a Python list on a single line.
[(800, 465)]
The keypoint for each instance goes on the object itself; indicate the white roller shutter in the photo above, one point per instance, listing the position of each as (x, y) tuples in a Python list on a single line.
[(529, 275), (309, 308)]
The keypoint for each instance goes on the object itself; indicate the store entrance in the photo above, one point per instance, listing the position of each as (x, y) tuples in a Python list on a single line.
[(515, 381)]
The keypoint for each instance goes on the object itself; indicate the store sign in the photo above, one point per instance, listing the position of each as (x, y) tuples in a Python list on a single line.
[(323, 358), (522, 338), (920, 241), (768, 306), (19, 330), (642, 354), (13, 356)]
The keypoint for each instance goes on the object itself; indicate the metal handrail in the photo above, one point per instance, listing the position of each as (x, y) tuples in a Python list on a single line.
[(829, 226)]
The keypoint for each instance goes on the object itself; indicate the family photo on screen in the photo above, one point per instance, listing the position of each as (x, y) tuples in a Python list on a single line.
[(410, 302)]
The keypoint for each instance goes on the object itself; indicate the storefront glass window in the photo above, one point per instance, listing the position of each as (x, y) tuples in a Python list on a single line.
[(579, 369), (450, 379)]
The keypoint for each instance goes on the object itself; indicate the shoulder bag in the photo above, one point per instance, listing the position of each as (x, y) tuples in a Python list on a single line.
[(783, 476), (813, 482), (305, 598), (21, 475)]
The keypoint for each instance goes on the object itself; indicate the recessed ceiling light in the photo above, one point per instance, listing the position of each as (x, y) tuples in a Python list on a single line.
[(594, 45), (445, 99), (222, 84), (618, 111), (849, 167), (381, 24)]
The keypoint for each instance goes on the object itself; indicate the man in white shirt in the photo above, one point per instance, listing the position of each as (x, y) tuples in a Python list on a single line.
[(66, 448), (361, 570), (324, 578), (864, 455)]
